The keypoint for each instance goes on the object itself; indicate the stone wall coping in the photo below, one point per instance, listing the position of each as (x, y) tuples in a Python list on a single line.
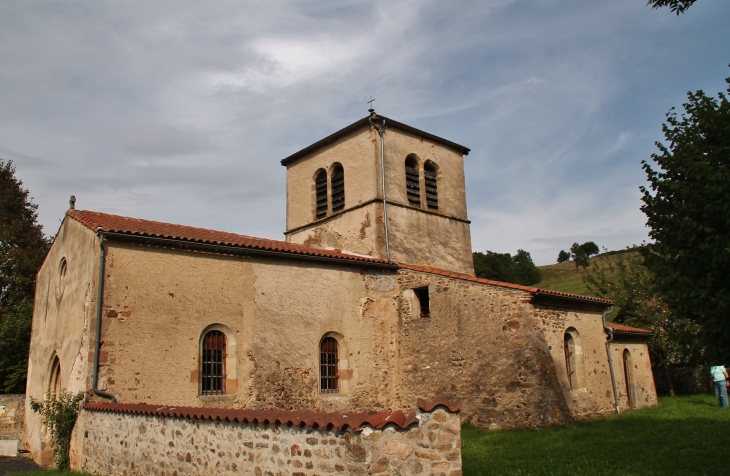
[(520, 287), (341, 421)]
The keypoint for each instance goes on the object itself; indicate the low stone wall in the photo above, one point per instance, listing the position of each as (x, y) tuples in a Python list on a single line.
[(12, 412), (112, 440)]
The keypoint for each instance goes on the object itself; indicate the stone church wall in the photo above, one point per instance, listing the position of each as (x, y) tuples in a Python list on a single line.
[(129, 444), (479, 343), (486, 344), (593, 395), (63, 315), (640, 390)]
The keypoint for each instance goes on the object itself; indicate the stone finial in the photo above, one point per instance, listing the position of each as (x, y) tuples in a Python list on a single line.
[(72, 202)]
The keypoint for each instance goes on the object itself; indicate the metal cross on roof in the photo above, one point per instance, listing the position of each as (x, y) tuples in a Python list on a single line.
[(371, 102)]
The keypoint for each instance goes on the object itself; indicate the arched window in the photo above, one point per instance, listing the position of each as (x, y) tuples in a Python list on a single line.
[(54, 379), (413, 182), (431, 183), (320, 186), (569, 348), (338, 188), (628, 377), (574, 358), (328, 360), (61, 285), (213, 359)]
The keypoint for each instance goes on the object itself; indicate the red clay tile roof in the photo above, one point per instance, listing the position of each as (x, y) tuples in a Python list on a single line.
[(439, 400), (529, 289), (105, 222), (340, 421), (627, 329), (365, 122)]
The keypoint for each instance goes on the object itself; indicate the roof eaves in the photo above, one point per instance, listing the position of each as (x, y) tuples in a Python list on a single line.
[(360, 123), (222, 242), (252, 249), (628, 330), (529, 289)]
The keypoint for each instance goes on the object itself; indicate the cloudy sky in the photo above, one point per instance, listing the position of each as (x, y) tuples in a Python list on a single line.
[(181, 111)]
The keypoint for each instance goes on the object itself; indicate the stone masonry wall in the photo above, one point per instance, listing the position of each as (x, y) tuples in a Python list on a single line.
[(108, 443), (479, 343), (12, 412)]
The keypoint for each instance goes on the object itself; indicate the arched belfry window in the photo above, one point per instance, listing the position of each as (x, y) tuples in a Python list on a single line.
[(328, 362), (431, 183), (54, 380), (413, 182), (338, 188), (320, 187), (574, 365), (213, 364)]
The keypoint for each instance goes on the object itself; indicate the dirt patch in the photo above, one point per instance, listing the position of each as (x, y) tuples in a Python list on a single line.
[(16, 465)]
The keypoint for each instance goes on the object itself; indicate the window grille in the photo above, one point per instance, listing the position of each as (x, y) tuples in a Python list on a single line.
[(422, 295), (213, 362), (432, 194), (413, 182), (328, 365), (338, 189), (320, 185)]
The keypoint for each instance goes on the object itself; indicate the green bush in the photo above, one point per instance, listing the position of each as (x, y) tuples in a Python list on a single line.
[(60, 415)]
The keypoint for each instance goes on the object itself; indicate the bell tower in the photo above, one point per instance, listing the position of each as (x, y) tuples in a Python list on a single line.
[(341, 189)]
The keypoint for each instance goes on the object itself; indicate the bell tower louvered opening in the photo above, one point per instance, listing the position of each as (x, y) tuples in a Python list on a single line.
[(413, 182), (338, 189), (320, 185), (430, 179)]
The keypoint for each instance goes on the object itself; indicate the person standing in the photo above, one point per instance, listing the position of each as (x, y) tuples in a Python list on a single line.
[(719, 377)]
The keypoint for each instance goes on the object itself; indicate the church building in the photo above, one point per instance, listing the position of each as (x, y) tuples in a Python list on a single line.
[(369, 304)]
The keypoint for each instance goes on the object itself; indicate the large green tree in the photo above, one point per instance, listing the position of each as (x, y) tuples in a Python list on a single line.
[(518, 269), (14, 345), (623, 278), (23, 246), (687, 205)]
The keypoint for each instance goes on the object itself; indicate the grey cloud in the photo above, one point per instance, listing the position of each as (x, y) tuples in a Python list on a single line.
[(180, 111)]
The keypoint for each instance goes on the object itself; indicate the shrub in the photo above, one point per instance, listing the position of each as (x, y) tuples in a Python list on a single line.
[(60, 415)]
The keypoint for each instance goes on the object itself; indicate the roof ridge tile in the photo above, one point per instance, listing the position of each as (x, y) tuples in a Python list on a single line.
[(311, 419)]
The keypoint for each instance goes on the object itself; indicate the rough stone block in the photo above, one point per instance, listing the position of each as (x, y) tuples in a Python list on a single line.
[(9, 448)]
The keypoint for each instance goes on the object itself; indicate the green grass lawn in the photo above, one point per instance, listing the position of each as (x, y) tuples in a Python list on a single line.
[(682, 435)]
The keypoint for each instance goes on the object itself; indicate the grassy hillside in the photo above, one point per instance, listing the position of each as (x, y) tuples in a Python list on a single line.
[(565, 277)]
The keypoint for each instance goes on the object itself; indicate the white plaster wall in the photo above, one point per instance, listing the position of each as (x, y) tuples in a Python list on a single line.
[(642, 385)]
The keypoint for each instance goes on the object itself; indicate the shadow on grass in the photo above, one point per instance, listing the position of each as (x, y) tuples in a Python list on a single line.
[(682, 435)]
